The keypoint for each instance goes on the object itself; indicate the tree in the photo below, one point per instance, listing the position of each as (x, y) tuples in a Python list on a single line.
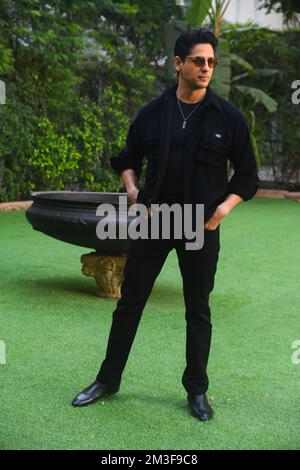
[(224, 81), (287, 7), (56, 55)]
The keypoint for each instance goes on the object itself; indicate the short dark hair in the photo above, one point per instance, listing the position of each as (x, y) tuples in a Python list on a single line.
[(188, 39)]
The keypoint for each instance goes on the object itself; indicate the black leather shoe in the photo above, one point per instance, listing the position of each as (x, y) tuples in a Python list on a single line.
[(92, 393), (199, 407)]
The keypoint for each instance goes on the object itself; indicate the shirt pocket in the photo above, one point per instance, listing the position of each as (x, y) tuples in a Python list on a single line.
[(214, 147), (152, 140), (152, 147)]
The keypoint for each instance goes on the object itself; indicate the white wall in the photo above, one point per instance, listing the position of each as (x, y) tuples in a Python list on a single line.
[(240, 11), (243, 10)]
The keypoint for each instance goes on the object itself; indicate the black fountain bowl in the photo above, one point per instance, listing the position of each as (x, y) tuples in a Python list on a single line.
[(70, 216)]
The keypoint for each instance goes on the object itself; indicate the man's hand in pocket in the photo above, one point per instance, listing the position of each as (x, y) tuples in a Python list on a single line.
[(219, 214), (132, 194)]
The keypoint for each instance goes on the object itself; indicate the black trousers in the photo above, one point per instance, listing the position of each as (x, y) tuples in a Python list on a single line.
[(144, 263)]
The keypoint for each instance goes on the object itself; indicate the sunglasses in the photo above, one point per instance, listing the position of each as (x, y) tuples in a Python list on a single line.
[(200, 61)]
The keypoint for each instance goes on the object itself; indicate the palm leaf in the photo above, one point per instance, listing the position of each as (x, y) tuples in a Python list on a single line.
[(258, 96), (221, 79), (266, 72), (238, 60), (197, 12)]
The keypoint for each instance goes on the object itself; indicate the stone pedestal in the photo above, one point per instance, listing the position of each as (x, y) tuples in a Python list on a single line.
[(108, 271)]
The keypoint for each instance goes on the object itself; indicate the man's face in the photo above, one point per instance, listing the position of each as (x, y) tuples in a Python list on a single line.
[(191, 75)]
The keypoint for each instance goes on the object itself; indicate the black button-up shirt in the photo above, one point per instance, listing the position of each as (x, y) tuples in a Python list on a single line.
[(218, 133), (172, 189)]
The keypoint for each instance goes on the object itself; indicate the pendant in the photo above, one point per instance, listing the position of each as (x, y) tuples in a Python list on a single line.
[(183, 124)]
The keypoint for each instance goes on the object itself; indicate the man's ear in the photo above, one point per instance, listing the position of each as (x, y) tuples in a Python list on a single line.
[(177, 61)]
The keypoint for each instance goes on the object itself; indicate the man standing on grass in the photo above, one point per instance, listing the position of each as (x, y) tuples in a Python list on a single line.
[(187, 136)]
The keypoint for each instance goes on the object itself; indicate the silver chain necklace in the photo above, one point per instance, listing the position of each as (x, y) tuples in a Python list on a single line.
[(183, 116)]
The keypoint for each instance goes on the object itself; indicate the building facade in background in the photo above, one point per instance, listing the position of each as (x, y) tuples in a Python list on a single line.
[(242, 11)]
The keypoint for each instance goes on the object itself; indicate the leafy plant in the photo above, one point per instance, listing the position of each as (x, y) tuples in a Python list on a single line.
[(78, 157), (224, 81), (277, 134)]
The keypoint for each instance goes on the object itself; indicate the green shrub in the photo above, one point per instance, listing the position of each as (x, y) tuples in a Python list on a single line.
[(278, 134), (77, 157), (17, 121), (55, 159)]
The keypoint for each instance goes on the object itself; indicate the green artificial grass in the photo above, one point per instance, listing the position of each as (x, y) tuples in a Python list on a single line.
[(56, 331)]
